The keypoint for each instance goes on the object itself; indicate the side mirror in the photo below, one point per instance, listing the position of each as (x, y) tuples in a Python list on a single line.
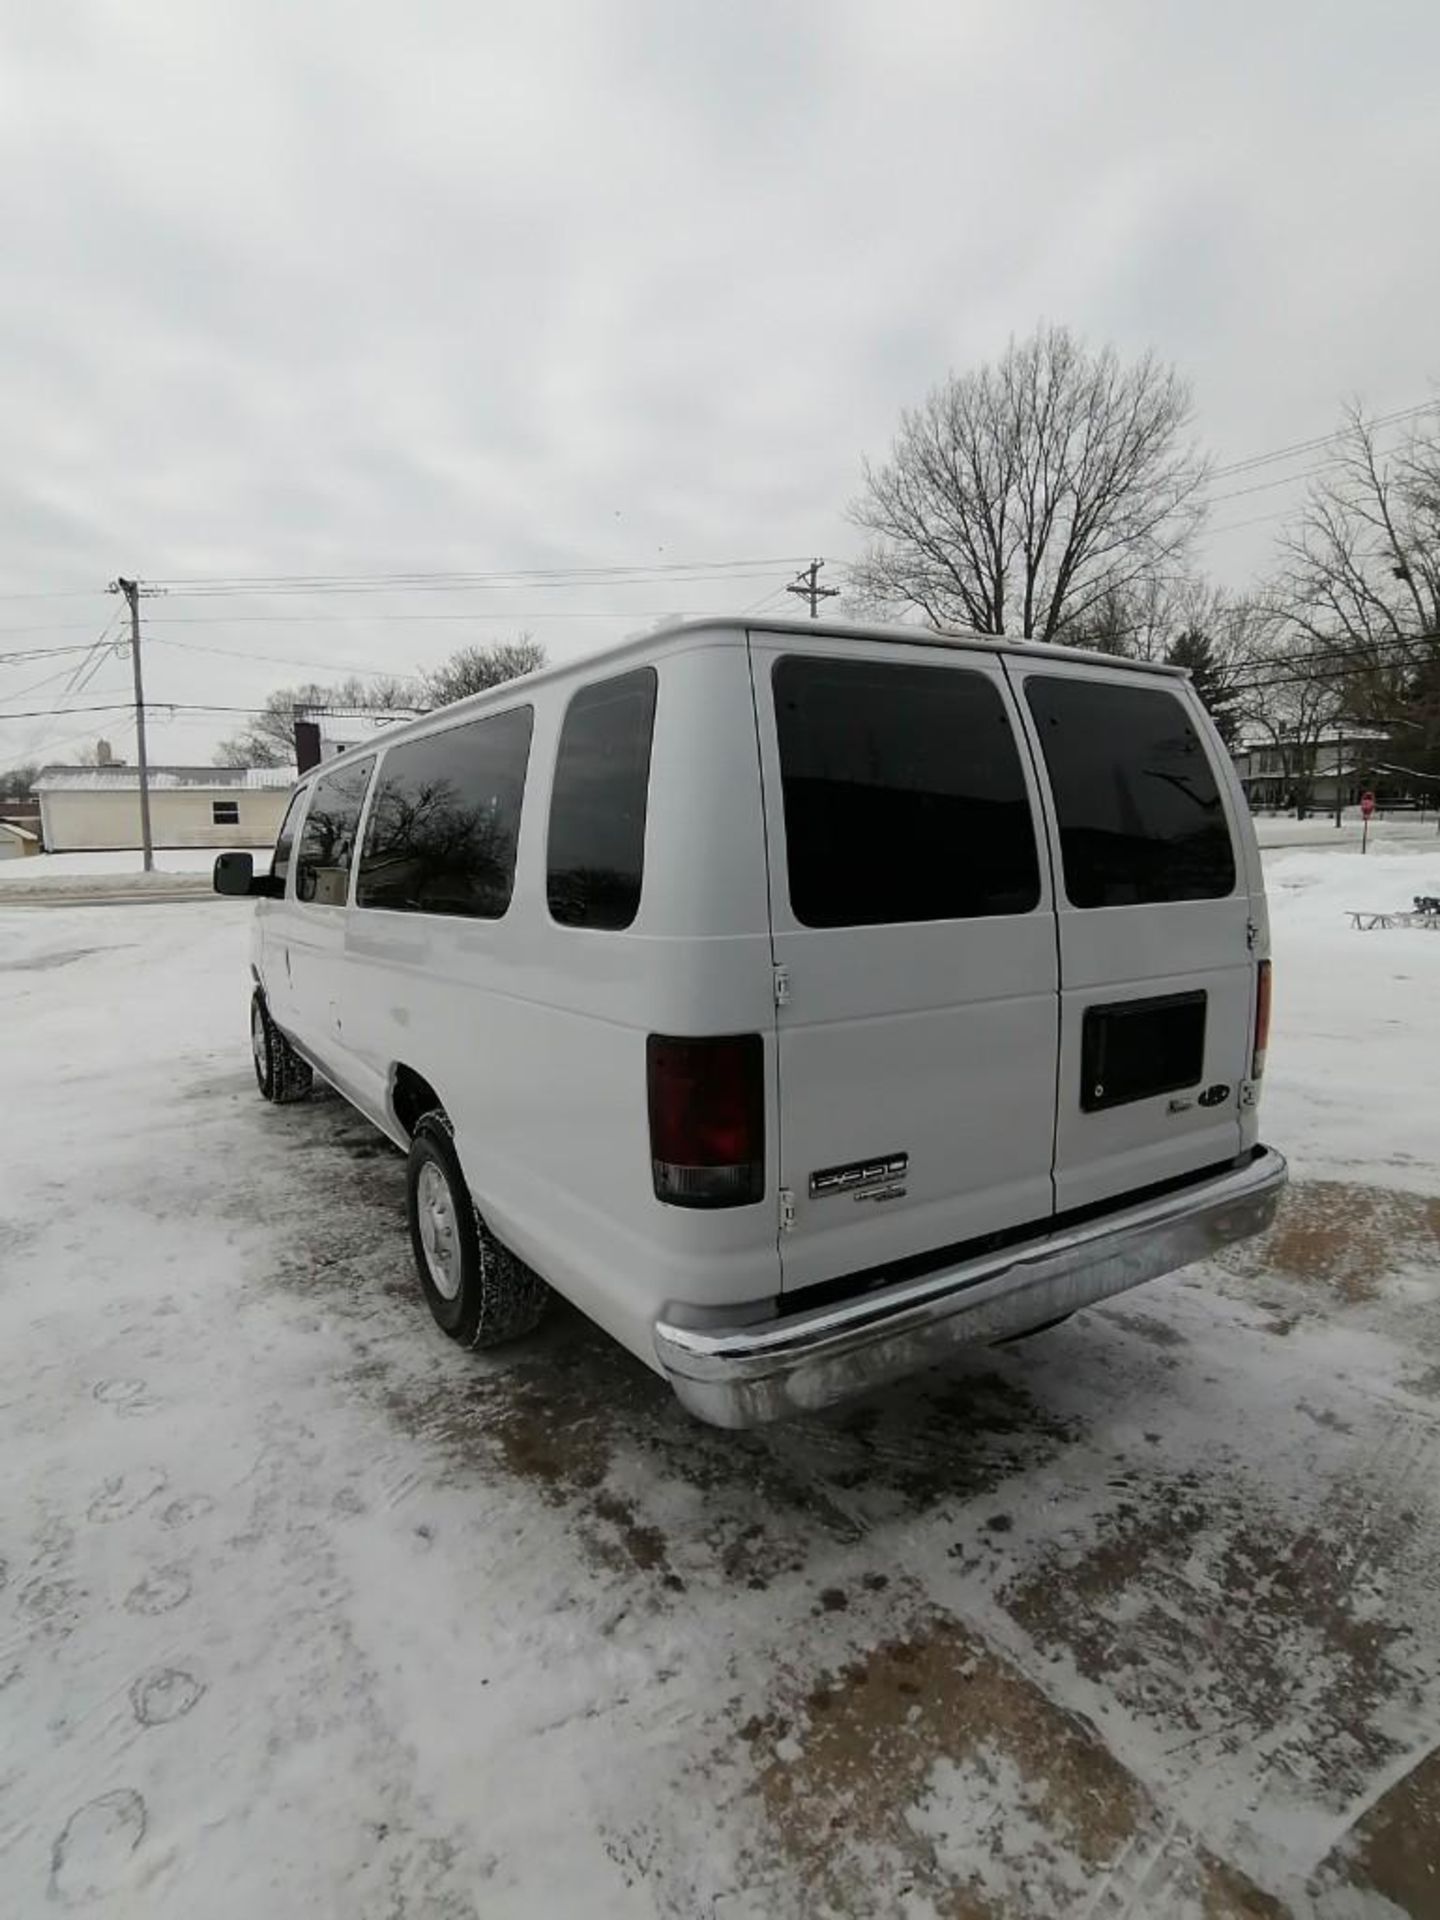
[(234, 873)]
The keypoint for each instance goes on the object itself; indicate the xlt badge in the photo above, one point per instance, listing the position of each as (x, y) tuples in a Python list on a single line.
[(859, 1177)]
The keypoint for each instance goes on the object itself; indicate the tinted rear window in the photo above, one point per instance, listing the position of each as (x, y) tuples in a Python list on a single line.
[(596, 848), (903, 793), (1141, 820), (327, 845), (443, 829)]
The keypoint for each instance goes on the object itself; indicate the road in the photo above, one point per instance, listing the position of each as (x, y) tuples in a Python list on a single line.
[(304, 1611)]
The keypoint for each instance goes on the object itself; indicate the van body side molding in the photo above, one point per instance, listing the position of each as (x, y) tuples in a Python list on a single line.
[(804, 1361)]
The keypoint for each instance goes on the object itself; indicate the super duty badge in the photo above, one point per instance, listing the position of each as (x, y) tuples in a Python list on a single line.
[(865, 1179)]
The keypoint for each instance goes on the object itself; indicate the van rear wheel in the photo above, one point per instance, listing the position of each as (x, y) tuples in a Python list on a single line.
[(280, 1073), (479, 1293)]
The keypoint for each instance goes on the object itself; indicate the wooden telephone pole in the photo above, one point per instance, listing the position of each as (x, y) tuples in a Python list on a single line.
[(807, 585), (131, 591)]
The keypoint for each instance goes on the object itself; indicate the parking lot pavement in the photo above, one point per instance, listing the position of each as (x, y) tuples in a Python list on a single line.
[(303, 1610)]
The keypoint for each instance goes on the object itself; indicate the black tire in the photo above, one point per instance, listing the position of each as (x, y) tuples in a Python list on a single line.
[(478, 1291), (280, 1073)]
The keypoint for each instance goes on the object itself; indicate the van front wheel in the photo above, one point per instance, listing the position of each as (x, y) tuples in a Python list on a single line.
[(479, 1293), (280, 1073)]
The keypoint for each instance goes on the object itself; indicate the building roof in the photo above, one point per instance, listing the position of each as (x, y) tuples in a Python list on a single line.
[(19, 832), (165, 779), (1342, 734)]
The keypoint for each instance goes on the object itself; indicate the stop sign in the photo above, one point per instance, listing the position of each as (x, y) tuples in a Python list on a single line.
[(1367, 804)]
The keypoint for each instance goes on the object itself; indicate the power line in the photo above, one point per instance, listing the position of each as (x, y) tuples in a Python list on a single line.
[(153, 706), (280, 660), (93, 648), (1287, 479), (512, 618), (1320, 440), (1325, 665), (54, 593), (23, 693), (59, 626), (458, 581)]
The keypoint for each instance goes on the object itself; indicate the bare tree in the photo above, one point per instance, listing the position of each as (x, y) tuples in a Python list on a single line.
[(1021, 497), (1144, 621), (268, 740), (1284, 692), (1359, 581), (16, 783), (475, 669)]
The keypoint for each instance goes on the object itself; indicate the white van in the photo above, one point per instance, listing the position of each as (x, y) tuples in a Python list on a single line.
[(801, 1001)]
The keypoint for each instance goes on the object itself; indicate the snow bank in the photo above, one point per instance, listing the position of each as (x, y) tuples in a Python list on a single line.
[(69, 866), (1354, 1081)]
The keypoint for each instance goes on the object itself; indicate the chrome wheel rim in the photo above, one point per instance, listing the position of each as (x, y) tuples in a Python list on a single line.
[(259, 1041), (439, 1230)]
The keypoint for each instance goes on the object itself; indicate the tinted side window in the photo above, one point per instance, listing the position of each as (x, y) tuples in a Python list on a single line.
[(596, 849), (443, 829), (327, 846), (903, 793), (1140, 816), (285, 839)]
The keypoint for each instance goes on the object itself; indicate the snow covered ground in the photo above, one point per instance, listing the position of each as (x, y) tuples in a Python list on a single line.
[(46, 877), (107, 864), (1395, 832), (302, 1611)]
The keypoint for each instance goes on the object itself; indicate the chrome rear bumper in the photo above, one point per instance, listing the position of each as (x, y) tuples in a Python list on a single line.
[(810, 1359)]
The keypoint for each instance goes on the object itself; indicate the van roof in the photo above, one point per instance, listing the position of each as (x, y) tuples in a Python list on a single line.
[(640, 647)]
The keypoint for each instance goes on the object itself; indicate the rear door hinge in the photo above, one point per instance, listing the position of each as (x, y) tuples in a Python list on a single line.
[(1252, 934), (782, 986), (787, 1210)]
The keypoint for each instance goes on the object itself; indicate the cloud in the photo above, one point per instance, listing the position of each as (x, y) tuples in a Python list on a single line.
[(340, 288)]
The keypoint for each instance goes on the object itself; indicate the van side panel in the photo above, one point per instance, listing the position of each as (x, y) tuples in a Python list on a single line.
[(534, 1034)]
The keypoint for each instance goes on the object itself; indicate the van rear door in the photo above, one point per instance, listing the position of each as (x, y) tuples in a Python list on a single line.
[(1157, 972), (914, 944)]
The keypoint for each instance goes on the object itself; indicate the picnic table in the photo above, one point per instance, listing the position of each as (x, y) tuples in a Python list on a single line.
[(1425, 913)]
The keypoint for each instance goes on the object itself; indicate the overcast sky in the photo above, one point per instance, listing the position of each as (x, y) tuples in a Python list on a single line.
[(358, 289)]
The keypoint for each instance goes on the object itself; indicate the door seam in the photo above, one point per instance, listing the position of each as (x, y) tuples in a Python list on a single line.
[(770, 932), (1052, 856)]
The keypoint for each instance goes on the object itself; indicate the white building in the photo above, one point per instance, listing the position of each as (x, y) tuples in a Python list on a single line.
[(83, 808), (17, 841), (1342, 756)]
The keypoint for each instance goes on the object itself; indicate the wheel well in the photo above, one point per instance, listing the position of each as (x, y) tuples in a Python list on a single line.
[(411, 1096)]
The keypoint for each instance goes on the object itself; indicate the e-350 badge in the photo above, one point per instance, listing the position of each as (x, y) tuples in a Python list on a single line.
[(880, 1178)]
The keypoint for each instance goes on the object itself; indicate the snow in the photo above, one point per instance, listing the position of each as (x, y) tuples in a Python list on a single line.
[(302, 1610), (1356, 1092), (49, 866), (1388, 834)]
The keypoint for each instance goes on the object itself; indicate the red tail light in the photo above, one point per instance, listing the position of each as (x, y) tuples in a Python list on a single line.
[(707, 1120), (1262, 1019)]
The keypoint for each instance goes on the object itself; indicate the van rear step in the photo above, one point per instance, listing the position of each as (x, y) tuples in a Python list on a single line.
[(751, 1375)]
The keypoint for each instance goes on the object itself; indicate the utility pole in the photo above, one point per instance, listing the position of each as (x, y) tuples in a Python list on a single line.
[(807, 586), (131, 591)]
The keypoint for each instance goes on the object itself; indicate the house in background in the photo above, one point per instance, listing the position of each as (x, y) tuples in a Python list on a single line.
[(86, 808), (17, 842), (22, 813), (1342, 757)]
